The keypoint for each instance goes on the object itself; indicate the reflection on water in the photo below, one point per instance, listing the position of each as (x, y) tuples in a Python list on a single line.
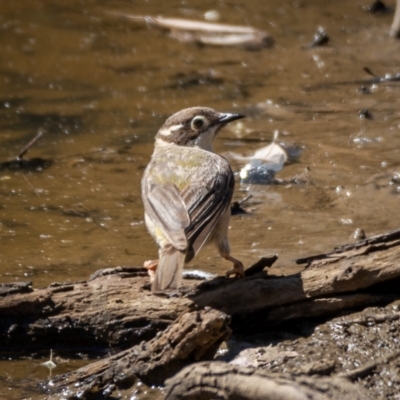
[(99, 88)]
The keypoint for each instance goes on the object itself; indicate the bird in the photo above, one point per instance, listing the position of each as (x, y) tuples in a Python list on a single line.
[(186, 191)]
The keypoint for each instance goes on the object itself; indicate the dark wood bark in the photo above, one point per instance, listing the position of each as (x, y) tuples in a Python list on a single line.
[(115, 308), (193, 336), (218, 380)]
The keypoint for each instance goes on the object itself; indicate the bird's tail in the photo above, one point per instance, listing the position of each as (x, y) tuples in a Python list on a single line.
[(169, 270)]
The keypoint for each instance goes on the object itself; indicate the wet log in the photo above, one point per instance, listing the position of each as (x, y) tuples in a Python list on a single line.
[(113, 308), (116, 308), (345, 272), (192, 337), (218, 380)]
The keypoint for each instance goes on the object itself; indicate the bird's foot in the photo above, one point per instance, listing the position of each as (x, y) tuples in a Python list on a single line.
[(237, 270), (151, 266)]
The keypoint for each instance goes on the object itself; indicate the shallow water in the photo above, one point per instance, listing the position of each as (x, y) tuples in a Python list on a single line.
[(99, 87)]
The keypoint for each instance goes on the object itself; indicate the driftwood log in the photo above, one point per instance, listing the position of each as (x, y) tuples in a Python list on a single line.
[(193, 336), (116, 308), (218, 380)]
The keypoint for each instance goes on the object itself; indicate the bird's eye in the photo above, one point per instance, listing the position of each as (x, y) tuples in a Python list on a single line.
[(198, 122)]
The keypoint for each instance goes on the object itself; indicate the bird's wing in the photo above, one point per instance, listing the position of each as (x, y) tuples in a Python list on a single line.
[(167, 210), (187, 217), (206, 200)]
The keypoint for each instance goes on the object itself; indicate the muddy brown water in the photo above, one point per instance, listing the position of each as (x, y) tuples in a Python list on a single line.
[(99, 88)]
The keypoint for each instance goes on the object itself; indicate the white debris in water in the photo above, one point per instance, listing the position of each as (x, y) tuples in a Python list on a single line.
[(212, 15), (269, 158)]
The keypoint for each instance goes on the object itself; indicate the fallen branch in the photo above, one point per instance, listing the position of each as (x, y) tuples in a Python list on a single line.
[(192, 337), (217, 380)]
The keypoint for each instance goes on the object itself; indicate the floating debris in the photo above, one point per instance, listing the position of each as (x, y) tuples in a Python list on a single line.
[(364, 140), (236, 206), (385, 78), (321, 38), (50, 364), (375, 80), (358, 234), (212, 16), (206, 33), (365, 114), (395, 179), (264, 163), (378, 7), (33, 164), (363, 89)]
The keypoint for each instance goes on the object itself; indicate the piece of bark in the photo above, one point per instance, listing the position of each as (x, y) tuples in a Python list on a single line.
[(15, 287), (194, 336), (218, 380)]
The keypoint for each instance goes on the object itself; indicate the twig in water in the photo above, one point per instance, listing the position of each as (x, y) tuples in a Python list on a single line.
[(386, 78), (236, 206), (50, 364), (28, 146), (248, 197)]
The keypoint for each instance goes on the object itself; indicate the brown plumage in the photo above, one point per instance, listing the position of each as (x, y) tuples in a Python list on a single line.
[(186, 191)]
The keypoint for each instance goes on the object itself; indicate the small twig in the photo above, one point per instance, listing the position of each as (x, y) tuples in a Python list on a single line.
[(50, 363), (386, 78), (260, 265), (248, 197), (369, 72), (236, 206), (28, 146)]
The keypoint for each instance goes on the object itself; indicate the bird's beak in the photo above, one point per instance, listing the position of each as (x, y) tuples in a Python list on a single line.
[(225, 118)]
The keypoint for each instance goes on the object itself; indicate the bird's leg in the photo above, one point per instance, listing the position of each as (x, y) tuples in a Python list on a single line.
[(237, 270), (224, 251), (151, 266)]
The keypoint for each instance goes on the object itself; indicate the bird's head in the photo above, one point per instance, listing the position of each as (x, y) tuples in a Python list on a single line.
[(196, 126)]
